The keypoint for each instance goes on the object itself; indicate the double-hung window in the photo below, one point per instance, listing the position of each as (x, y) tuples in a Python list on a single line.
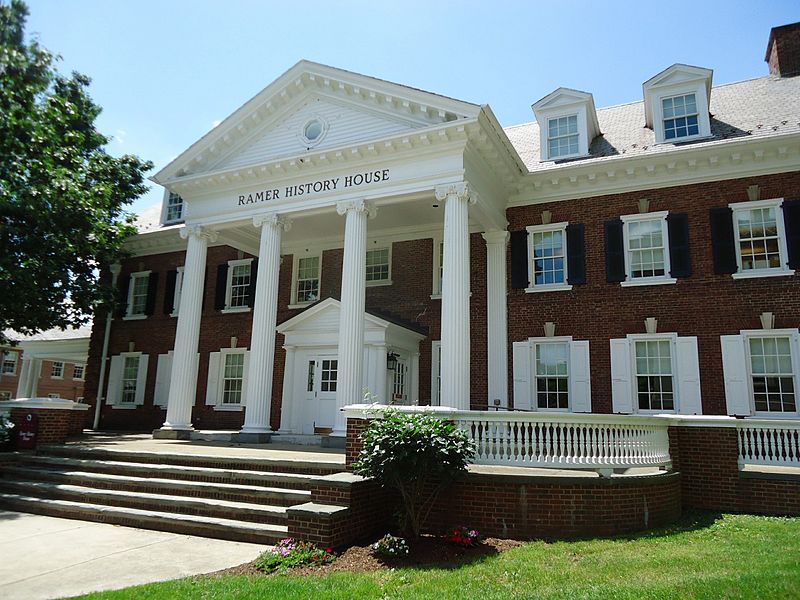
[(130, 376), (308, 272), (438, 267), (646, 249), (652, 373), (379, 262), (233, 378), (9, 363), (138, 290), (78, 371), (126, 380), (238, 289), (552, 373), (57, 370), (173, 209), (226, 386), (760, 238), (761, 372), (176, 298), (562, 136), (680, 116), (547, 258)]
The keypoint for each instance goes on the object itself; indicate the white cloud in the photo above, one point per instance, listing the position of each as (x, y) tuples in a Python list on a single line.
[(120, 135)]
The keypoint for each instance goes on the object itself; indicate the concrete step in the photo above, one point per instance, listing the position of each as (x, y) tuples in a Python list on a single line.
[(201, 489), (242, 511), (296, 481), (227, 529), (309, 466)]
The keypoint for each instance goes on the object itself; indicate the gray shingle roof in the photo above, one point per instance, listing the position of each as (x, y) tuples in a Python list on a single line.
[(757, 107)]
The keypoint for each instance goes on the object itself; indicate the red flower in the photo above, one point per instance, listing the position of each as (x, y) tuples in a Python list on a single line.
[(328, 550)]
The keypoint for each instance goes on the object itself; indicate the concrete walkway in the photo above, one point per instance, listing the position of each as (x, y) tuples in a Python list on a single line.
[(45, 557)]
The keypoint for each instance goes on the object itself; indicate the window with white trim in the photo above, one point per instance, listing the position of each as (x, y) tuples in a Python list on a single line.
[(761, 371), (654, 373), (378, 266), (78, 371), (436, 373), (57, 370), (438, 267), (680, 116), (329, 375), (308, 271), (10, 360), (174, 209), (130, 378), (552, 374), (646, 248), (760, 237), (237, 291), (137, 294), (547, 257), (562, 136), (233, 378), (176, 301)]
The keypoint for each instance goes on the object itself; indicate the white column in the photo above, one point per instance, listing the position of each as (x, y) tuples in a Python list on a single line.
[(24, 384), (288, 396), (34, 376), (414, 379), (183, 379), (351, 317), (265, 313), (496, 317), (455, 295)]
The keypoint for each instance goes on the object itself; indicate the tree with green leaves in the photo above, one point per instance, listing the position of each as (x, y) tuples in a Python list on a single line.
[(416, 454), (62, 196)]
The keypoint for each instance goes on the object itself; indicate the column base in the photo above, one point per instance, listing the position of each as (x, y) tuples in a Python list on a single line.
[(246, 437), (172, 434)]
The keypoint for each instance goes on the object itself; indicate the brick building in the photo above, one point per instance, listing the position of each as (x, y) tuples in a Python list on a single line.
[(340, 233)]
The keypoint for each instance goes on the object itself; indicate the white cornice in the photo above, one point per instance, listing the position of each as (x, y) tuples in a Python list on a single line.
[(158, 241), (727, 160)]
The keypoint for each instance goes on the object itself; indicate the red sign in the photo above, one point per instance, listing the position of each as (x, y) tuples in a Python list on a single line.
[(27, 431)]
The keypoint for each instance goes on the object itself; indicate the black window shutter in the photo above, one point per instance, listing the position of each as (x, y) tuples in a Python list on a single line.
[(615, 251), (576, 254), (680, 258), (169, 292), (251, 292), (723, 242), (791, 219), (519, 260), (122, 305), (152, 287), (222, 284)]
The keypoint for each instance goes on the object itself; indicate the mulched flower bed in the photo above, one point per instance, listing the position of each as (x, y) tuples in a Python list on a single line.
[(428, 551)]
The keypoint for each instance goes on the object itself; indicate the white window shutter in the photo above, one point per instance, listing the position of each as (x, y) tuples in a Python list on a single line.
[(163, 375), (245, 371), (621, 384), (141, 380), (580, 388), (212, 385), (521, 358), (688, 363), (734, 369), (114, 380)]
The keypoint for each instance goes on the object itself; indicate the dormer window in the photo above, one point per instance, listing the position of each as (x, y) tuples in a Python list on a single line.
[(676, 104), (680, 116), (173, 209), (562, 136), (567, 123)]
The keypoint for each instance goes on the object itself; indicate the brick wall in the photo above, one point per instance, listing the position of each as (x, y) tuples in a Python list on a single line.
[(703, 305), (65, 386), (54, 425), (783, 53)]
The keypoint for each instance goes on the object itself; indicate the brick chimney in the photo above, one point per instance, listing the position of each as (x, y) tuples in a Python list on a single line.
[(783, 50)]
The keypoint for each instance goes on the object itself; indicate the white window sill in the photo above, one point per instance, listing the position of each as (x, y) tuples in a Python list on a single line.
[(173, 314), (235, 309), (134, 317), (564, 157), (686, 138), (78, 379), (648, 281), (56, 377), (124, 406), (300, 305), (560, 287), (228, 407), (756, 273), (436, 296), (379, 283)]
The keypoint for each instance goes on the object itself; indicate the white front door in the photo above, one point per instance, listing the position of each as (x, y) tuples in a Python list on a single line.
[(320, 396)]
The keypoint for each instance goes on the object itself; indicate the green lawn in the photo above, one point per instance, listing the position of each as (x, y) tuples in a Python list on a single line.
[(730, 556)]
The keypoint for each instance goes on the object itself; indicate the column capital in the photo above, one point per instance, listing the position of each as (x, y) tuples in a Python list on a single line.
[(497, 236), (273, 220), (360, 205), (459, 191), (200, 232)]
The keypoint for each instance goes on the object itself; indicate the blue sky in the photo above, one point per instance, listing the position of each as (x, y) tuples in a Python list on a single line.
[(165, 71)]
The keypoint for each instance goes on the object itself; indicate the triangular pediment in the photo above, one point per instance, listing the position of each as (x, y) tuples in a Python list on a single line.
[(324, 317), (348, 109), (677, 74), (562, 97)]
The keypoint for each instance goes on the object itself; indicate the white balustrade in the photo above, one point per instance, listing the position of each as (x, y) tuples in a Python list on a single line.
[(773, 442)]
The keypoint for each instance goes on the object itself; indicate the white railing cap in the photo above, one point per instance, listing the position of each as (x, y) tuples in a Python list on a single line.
[(49, 403)]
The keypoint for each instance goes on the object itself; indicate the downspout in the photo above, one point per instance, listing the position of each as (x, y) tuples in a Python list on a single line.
[(115, 270)]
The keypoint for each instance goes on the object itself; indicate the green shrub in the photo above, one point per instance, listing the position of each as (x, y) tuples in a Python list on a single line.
[(416, 454), (5, 429)]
